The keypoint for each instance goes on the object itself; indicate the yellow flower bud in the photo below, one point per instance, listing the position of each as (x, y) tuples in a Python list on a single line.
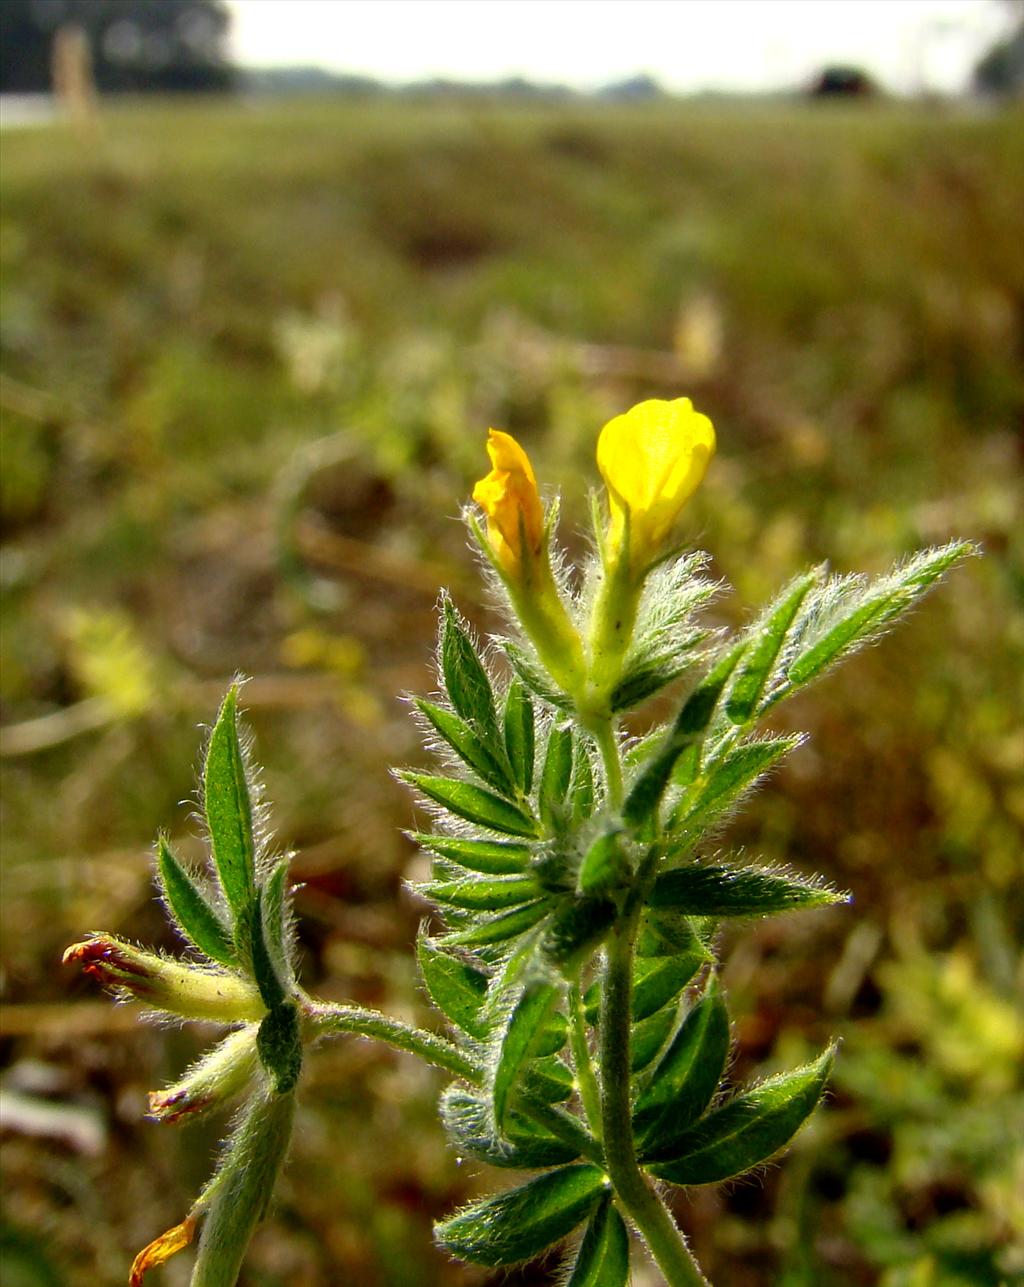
[(652, 459), (509, 498)]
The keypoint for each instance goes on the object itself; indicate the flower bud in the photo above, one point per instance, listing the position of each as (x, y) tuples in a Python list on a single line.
[(652, 459), (181, 988), (225, 1071), (509, 498)]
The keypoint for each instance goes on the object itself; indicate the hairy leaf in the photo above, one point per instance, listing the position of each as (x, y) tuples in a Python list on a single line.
[(488, 895), (470, 748), (457, 989), (519, 1042), (576, 930), (498, 929), (603, 1257), (525, 1145), (491, 857), (193, 913), (228, 806), (465, 678), (556, 777), (473, 803), (746, 1131), (711, 890), (687, 1075), (769, 639), (725, 781), (519, 1224), (519, 733), (658, 980)]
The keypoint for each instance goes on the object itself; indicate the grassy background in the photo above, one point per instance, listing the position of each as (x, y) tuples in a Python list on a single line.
[(249, 356)]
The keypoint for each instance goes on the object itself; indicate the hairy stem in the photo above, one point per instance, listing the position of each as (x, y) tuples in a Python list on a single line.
[(634, 1192), (590, 1093)]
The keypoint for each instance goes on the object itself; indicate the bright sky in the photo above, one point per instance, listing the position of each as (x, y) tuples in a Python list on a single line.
[(686, 44)]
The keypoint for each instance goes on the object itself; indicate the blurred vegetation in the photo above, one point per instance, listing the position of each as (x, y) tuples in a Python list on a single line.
[(249, 356)]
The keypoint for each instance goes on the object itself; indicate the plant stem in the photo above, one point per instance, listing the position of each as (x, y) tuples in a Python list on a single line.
[(431, 1048), (644, 1207), (604, 734)]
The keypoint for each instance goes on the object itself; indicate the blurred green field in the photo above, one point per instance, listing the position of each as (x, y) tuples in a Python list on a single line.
[(249, 356)]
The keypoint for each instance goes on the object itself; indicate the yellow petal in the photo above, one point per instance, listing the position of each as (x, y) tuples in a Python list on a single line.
[(163, 1248), (508, 496), (652, 459)]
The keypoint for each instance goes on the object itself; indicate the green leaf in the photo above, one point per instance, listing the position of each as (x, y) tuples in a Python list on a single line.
[(713, 890), (270, 955), (491, 857), (658, 980), (473, 803), (279, 1042), (604, 866), (470, 748), (687, 1075), (581, 791), (526, 1146), (498, 929), (521, 1223), (519, 1042), (519, 734), (550, 1080), (465, 678), (648, 1037), (666, 932), (576, 930), (725, 781), (649, 786), (228, 806), (481, 895), (768, 640), (194, 915), (848, 611), (644, 679), (603, 1257), (534, 678), (457, 989), (746, 1131), (556, 777)]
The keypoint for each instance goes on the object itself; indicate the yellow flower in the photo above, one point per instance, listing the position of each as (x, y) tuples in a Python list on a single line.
[(509, 498), (652, 459)]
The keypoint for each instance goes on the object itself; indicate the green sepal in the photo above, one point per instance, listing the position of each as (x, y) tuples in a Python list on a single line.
[(518, 722), (521, 1223), (768, 642), (604, 866), (190, 909), (556, 778), (519, 1042), (458, 990), (746, 1131), (279, 1043), (473, 803), (487, 895), (490, 857), (726, 780), (712, 890), (687, 1075), (848, 611), (465, 678), (576, 930), (603, 1257), (471, 749), (237, 1197), (525, 1146), (227, 803), (498, 929)]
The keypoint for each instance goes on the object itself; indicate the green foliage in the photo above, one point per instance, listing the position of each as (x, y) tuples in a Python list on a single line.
[(603, 1258)]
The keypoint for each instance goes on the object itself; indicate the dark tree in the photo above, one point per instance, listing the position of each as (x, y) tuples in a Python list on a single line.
[(136, 45), (843, 82)]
